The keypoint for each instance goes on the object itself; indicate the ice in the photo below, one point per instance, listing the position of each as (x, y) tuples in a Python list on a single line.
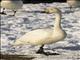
[(25, 20)]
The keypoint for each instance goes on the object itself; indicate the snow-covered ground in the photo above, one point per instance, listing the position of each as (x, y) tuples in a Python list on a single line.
[(29, 18)]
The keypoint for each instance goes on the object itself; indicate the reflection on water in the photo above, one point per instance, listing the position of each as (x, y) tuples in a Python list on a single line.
[(15, 57)]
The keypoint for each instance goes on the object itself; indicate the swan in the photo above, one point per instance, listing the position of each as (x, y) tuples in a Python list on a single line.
[(44, 36), (13, 5), (73, 3)]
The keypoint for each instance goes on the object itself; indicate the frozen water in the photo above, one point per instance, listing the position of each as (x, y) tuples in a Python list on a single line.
[(27, 19)]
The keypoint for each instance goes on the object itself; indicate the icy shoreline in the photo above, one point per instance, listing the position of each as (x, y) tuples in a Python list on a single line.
[(27, 20)]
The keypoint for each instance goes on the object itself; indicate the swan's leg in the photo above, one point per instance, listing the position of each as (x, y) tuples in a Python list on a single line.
[(3, 11), (14, 13), (41, 50), (71, 9)]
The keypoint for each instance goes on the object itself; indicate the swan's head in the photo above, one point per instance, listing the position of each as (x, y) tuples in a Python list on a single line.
[(52, 10)]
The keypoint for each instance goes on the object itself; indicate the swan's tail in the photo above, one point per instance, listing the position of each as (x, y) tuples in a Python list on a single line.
[(17, 43)]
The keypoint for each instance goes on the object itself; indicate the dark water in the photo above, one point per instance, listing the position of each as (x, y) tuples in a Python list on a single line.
[(15, 57)]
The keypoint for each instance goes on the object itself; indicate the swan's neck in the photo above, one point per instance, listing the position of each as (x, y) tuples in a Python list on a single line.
[(57, 24)]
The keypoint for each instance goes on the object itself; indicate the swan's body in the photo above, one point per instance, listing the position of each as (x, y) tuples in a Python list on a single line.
[(12, 4), (73, 3), (44, 36), (40, 37)]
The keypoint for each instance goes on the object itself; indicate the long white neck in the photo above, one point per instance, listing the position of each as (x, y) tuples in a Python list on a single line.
[(57, 24)]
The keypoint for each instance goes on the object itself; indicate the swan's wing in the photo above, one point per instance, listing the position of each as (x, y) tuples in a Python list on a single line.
[(34, 37)]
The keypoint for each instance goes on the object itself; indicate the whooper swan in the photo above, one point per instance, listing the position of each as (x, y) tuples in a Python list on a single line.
[(44, 36), (73, 3), (13, 5)]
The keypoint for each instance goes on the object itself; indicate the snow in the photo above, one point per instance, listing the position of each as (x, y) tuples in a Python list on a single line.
[(27, 19)]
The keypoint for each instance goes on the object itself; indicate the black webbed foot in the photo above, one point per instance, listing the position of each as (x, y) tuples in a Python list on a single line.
[(3, 13), (41, 51), (47, 53)]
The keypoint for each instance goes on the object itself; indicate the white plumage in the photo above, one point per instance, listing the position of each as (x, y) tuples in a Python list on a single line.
[(12, 5), (44, 36), (73, 3)]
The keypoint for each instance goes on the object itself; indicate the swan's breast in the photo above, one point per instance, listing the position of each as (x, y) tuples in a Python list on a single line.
[(58, 35)]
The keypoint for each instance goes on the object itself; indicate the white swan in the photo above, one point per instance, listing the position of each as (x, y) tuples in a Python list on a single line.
[(12, 5), (44, 36), (73, 3)]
